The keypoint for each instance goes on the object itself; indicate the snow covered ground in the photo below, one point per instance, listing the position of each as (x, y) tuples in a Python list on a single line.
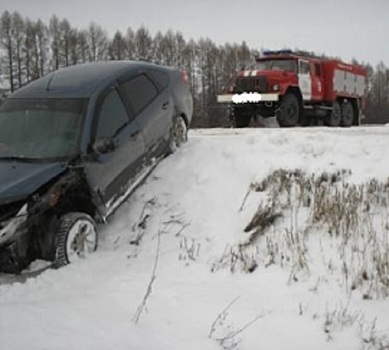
[(175, 269)]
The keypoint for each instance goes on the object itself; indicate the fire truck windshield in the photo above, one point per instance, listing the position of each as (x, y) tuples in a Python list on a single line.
[(285, 65)]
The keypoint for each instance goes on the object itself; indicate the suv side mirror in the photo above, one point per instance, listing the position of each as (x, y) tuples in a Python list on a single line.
[(104, 145)]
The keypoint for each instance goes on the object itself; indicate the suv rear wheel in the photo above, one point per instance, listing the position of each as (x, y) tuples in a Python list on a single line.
[(178, 134), (76, 238)]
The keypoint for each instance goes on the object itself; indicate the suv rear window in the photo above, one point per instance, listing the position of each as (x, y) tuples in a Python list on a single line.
[(140, 91), (161, 78)]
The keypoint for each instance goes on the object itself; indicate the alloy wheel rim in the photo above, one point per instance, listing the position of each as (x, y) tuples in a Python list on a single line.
[(81, 240), (179, 133)]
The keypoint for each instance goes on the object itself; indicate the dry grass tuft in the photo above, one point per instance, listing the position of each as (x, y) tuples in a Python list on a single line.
[(355, 216)]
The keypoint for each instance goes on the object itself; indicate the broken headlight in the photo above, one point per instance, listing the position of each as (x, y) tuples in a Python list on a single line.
[(10, 225)]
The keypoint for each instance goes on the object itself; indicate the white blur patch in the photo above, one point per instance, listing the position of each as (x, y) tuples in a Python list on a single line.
[(247, 97)]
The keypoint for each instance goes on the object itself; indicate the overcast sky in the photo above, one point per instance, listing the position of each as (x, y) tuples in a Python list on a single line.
[(344, 28)]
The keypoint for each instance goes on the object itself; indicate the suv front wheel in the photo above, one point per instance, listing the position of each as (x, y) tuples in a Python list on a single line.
[(76, 238)]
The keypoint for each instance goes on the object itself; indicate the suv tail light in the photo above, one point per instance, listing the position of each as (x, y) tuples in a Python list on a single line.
[(184, 77)]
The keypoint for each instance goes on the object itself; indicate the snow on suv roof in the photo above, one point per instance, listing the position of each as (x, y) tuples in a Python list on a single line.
[(79, 81)]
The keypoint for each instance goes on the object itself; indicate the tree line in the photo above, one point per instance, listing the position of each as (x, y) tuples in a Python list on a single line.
[(31, 49)]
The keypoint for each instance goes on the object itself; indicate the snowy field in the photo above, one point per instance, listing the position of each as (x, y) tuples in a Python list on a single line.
[(179, 266)]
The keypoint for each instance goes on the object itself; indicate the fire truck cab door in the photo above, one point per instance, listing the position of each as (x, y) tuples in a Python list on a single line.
[(305, 82)]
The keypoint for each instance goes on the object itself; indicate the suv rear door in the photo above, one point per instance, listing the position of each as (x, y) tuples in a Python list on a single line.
[(153, 108)]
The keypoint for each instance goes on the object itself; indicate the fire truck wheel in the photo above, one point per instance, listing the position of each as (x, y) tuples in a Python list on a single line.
[(347, 113), (335, 117), (289, 113), (241, 120)]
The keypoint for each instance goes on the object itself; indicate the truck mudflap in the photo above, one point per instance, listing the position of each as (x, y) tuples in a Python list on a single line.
[(247, 97)]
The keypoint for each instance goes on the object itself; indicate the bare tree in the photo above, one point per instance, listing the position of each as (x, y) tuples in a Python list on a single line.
[(130, 44), (66, 35), (55, 35), (36, 49), (180, 48), (28, 49), (118, 47), (158, 51), (19, 34), (191, 64), (6, 36), (97, 42), (82, 50), (143, 44), (377, 109), (74, 47), (169, 47)]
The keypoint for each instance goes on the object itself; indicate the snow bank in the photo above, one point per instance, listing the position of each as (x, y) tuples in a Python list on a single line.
[(192, 210)]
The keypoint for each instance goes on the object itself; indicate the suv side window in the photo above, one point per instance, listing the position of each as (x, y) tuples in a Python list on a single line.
[(140, 91), (112, 116)]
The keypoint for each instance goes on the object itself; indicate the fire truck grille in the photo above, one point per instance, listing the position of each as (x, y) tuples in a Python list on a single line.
[(247, 84)]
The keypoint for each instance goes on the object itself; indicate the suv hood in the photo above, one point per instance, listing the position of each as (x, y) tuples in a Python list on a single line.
[(19, 179)]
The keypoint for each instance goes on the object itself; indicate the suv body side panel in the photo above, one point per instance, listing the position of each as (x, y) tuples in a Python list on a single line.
[(183, 100)]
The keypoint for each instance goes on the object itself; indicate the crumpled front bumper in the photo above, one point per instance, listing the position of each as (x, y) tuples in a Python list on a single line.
[(13, 245)]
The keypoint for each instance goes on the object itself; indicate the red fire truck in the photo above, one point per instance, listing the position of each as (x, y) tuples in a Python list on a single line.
[(298, 88)]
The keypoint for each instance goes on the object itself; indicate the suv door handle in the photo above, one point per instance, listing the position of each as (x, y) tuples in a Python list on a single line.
[(165, 105)]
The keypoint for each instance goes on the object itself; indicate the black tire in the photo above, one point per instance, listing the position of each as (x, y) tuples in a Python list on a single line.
[(241, 120), (347, 114), (71, 241), (335, 118), (178, 134), (289, 113)]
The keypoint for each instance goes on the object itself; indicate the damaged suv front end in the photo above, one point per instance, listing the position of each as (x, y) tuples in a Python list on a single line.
[(39, 139)]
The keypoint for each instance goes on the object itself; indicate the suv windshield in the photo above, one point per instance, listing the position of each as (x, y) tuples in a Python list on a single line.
[(39, 128), (289, 65)]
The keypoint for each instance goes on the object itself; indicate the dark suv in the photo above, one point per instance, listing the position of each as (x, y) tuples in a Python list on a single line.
[(73, 145)]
